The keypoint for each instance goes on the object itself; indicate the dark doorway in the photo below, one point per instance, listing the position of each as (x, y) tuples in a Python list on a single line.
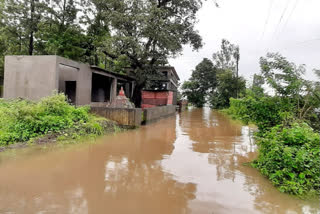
[(71, 88), (101, 86)]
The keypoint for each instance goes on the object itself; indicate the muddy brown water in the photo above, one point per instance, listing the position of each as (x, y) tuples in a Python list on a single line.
[(190, 163)]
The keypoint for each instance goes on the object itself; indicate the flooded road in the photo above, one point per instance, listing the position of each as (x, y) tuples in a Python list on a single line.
[(191, 163)]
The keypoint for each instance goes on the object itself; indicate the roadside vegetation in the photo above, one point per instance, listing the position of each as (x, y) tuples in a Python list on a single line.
[(22, 120), (288, 119), (288, 122)]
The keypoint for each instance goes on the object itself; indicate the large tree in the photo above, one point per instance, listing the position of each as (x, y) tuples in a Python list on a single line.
[(148, 32), (216, 81), (283, 76), (206, 74), (229, 86), (228, 58), (192, 91), (20, 19), (203, 81), (61, 31), (286, 78)]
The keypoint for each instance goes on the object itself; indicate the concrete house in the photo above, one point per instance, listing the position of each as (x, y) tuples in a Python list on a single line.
[(34, 77), (163, 91)]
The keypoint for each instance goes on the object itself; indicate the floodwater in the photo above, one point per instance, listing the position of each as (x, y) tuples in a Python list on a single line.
[(191, 163)]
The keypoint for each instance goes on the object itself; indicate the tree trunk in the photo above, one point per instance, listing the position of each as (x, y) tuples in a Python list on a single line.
[(137, 95), (31, 39), (237, 83)]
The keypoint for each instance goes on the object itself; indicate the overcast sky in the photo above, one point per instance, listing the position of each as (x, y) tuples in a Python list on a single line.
[(291, 27)]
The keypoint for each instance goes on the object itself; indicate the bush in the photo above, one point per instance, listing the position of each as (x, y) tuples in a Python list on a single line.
[(290, 158), (21, 120), (265, 112)]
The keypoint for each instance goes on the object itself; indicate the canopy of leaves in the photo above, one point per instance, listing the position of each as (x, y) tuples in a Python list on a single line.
[(191, 90), (227, 87), (216, 81), (113, 34), (283, 76), (228, 56)]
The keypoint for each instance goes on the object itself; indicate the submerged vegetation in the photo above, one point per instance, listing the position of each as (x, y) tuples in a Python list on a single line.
[(22, 120), (288, 122), (289, 149)]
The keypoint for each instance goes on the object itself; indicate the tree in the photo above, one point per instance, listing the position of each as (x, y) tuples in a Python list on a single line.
[(228, 59), (20, 20), (191, 90), (203, 81), (227, 87), (61, 33), (257, 84), (147, 33), (281, 75), (206, 74)]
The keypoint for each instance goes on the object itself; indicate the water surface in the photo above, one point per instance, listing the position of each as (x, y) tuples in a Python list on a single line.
[(190, 163)]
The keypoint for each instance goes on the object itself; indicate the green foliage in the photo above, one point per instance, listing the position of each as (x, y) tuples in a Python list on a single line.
[(202, 82), (265, 112), (21, 120), (282, 75), (205, 74), (145, 34), (216, 81), (228, 86), (227, 58), (290, 158), (256, 88), (195, 96), (289, 149)]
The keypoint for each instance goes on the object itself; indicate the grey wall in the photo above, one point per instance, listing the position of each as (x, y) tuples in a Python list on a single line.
[(69, 70), (34, 77), (30, 77), (152, 114)]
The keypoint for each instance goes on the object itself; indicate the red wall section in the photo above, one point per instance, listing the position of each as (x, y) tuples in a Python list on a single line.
[(156, 98)]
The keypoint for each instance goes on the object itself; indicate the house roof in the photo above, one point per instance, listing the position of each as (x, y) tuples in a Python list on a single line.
[(170, 68), (165, 68), (124, 76)]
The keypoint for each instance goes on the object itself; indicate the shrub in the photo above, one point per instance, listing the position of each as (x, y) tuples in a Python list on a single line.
[(290, 158), (265, 112), (21, 120)]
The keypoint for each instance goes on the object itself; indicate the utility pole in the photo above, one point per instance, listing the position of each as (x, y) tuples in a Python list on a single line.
[(237, 70)]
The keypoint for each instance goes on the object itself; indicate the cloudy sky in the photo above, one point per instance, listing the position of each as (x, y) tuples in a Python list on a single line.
[(291, 27)]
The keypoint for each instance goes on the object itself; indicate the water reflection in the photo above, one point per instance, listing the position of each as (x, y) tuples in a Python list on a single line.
[(189, 164), (123, 175), (233, 187)]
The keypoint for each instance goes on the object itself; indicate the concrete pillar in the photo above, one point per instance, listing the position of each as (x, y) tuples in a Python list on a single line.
[(114, 89), (127, 90), (132, 88)]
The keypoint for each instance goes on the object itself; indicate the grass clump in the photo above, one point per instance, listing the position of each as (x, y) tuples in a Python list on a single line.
[(22, 120)]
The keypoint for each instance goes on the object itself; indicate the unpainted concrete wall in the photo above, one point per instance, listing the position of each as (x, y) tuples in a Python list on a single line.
[(34, 77), (124, 116), (152, 114), (69, 70), (30, 77)]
